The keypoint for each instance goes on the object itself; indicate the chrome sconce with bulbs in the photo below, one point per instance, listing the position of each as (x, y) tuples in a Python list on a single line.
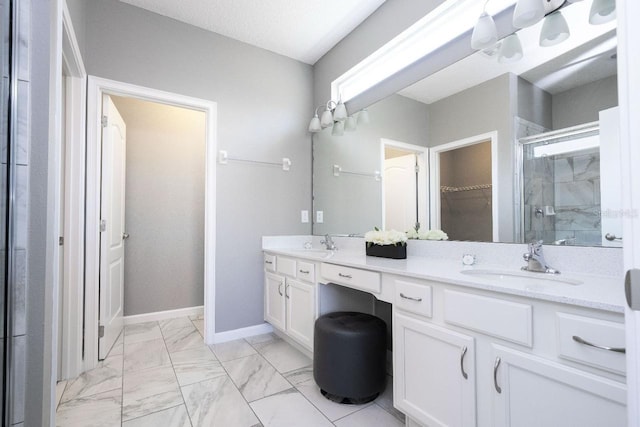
[(335, 115), (529, 12)]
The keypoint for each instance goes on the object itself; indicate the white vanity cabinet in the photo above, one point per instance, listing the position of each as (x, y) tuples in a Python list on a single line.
[(533, 391), (466, 358), (289, 297), (434, 373)]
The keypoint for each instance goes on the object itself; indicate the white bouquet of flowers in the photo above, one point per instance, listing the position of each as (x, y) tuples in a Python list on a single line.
[(419, 234), (386, 237)]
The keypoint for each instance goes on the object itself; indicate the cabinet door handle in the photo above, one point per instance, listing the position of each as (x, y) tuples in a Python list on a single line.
[(601, 347), (280, 288), (304, 271), (346, 276), (495, 375), (412, 299), (286, 294), (268, 262), (462, 354)]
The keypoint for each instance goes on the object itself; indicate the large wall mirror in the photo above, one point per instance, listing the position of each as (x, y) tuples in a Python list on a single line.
[(485, 150)]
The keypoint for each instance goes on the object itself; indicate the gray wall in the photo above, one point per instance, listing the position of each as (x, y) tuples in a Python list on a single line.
[(534, 104), (164, 208), (583, 103), (264, 104), (480, 109), (353, 204), (77, 12)]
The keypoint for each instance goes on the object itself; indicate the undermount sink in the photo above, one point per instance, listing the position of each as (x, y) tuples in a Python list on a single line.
[(316, 253), (520, 277)]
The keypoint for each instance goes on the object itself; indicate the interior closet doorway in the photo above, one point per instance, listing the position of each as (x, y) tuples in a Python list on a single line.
[(152, 201), (464, 193)]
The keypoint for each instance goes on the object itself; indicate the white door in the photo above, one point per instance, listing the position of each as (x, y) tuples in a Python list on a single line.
[(400, 193), (610, 178), (300, 303), (628, 14), (433, 373), (529, 391), (112, 227), (274, 305)]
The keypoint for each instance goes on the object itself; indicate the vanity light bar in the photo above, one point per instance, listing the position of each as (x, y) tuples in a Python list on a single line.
[(443, 24)]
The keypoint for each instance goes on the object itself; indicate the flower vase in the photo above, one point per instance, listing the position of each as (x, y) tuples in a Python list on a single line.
[(387, 251)]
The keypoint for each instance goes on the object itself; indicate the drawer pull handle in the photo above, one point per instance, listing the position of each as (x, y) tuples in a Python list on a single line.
[(464, 352), (286, 294), (304, 271), (495, 375), (412, 299), (268, 262), (280, 288), (601, 347), (346, 276)]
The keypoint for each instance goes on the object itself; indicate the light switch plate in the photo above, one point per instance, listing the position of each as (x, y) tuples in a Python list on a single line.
[(304, 216), (319, 217)]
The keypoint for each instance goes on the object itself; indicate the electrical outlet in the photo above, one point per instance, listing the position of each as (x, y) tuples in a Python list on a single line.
[(319, 217), (304, 216)]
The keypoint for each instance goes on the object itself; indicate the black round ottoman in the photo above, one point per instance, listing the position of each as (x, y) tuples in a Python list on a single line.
[(349, 356)]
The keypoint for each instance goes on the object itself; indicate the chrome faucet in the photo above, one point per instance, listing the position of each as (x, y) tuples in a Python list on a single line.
[(331, 246), (535, 260)]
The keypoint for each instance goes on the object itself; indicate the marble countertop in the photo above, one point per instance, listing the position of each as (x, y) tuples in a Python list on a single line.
[(597, 292)]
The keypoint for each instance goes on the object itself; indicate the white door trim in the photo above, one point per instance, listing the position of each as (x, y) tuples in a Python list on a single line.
[(73, 249), (96, 87), (434, 169), (423, 177), (628, 14)]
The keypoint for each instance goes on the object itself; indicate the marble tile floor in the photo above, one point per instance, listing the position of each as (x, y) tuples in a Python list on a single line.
[(161, 374)]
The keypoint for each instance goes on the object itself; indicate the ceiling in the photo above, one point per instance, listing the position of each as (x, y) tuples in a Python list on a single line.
[(583, 58), (300, 29)]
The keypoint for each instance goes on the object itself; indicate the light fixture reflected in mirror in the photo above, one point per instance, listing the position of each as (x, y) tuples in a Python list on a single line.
[(350, 125), (338, 129), (340, 112), (554, 29), (314, 124), (485, 34), (510, 49), (527, 13), (602, 11), (363, 117)]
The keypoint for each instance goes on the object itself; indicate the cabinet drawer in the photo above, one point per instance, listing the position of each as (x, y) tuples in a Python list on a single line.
[(492, 316), (594, 331), (359, 279), (286, 266), (306, 271), (270, 262), (413, 297)]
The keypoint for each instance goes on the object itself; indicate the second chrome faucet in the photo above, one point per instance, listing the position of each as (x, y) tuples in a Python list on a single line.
[(535, 260)]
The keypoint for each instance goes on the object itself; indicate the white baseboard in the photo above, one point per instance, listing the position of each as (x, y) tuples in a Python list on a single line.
[(236, 334), (163, 315)]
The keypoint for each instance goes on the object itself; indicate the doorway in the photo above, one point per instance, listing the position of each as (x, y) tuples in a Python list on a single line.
[(405, 186), (97, 89), (464, 190)]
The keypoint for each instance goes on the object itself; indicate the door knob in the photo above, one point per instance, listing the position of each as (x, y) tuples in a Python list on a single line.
[(125, 236), (611, 237)]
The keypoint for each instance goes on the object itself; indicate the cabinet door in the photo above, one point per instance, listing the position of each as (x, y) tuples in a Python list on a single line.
[(434, 373), (274, 301), (538, 392), (300, 312)]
